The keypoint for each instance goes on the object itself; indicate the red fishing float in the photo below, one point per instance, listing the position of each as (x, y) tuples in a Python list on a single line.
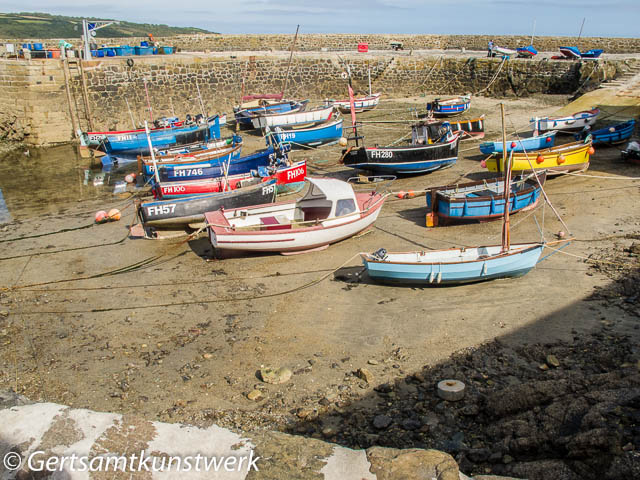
[(539, 159), (101, 216), (411, 194), (400, 194), (591, 150), (561, 159), (548, 140), (513, 144)]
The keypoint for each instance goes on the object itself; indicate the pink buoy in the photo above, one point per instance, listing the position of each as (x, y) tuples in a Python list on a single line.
[(130, 178), (101, 216), (561, 234), (114, 215), (483, 164)]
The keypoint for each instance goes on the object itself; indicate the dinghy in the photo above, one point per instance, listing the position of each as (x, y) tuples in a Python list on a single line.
[(521, 145), (611, 135), (577, 121), (450, 106), (362, 104), (329, 212)]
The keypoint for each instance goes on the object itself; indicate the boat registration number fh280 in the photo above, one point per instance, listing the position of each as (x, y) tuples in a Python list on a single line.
[(161, 209), (381, 154)]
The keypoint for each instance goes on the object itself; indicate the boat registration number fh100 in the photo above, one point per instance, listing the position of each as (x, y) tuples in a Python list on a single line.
[(161, 209), (381, 154)]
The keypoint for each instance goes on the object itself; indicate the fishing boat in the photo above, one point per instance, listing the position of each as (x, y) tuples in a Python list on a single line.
[(611, 135), (362, 104), (272, 155), (417, 157), (322, 134), (263, 105), (285, 174), (571, 157), (482, 200), (191, 210), (522, 145), (304, 117), (329, 212), (574, 53), (428, 129), (526, 52), (449, 107), (458, 265), (576, 121), (206, 158), (136, 142)]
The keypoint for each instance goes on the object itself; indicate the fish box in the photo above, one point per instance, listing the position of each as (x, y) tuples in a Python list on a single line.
[(144, 50)]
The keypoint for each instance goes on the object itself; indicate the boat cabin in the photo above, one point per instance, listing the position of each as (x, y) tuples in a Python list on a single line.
[(326, 198), (425, 133)]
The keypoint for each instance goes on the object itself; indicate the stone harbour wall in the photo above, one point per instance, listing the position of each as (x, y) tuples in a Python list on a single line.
[(35, 106), (349, 42)]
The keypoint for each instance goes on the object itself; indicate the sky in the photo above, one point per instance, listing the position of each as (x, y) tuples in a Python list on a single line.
[(608, 18)]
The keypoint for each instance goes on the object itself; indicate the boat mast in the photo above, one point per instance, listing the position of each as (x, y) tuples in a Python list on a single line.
[(369, 73), (533, 31), (286, 79), (581, 27), (506, 238), (153, 155)]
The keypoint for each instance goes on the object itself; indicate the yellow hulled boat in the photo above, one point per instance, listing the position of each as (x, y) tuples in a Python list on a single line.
[(571, 157)]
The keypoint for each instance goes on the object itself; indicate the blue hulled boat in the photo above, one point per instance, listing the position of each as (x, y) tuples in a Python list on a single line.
[(137, 143), (210, 169), (524, 145), (613, 134), (483, 200), (454, 266), (326, 133), (574, 53), (526, 52), (449, 107)]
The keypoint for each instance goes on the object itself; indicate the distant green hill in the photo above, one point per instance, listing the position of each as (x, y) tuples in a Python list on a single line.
[(43, 25)]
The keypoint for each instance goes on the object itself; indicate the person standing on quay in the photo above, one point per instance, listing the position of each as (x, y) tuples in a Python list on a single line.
[(490, 49)]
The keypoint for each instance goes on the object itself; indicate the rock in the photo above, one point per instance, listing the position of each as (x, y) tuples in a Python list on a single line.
[(9, 399), (543, 367), (451, 390), (478, 455), (470, 410), (411, 424), (277, 376), (372, 362), (411, 464), (4, 313), (553, 361), (254, 395), (365, 375), (381, 421), (507, 459), (207, 356)]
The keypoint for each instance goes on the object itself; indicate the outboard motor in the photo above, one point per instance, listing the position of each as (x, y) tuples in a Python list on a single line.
[(188, 119), (380, 254), (199, 118)]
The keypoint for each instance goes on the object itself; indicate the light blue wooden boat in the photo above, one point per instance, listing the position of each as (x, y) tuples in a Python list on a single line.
[(327, 133), (523, 145), (454, 266), (611, 135)]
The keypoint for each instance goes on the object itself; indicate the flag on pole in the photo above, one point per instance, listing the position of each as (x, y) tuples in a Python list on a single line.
[(352, 105)]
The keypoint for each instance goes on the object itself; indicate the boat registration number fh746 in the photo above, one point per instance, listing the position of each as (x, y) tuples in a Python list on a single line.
[(381, 154), (161, 209), (187, 172)]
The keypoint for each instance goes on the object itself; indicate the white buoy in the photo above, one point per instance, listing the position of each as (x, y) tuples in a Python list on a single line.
[(431, 277), (451, 390), (342, 142)]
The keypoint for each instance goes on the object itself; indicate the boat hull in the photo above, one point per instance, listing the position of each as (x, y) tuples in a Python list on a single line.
[(577, 121), (484, 200), (192, 209), (323, 134), (190, 164), (361, 104), (610, 135), (295, 240), (404, 160), (296, 118), (244, 115), (519, 261), (524, 145), (448, 108), (572, 157)]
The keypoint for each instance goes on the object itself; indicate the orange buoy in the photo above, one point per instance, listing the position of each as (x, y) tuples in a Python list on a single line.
[(591, 150), (561, 159), (483, 164), (101, 216), (539, 159), (400, 194), (114, 215), (411, 194)]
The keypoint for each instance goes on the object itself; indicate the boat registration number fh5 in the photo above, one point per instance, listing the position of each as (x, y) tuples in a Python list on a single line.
[(268, 189), (161, 209), (381, 154)]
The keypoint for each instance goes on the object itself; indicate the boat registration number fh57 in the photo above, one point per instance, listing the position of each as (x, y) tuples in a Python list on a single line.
[(161, 209), (381, 154)]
